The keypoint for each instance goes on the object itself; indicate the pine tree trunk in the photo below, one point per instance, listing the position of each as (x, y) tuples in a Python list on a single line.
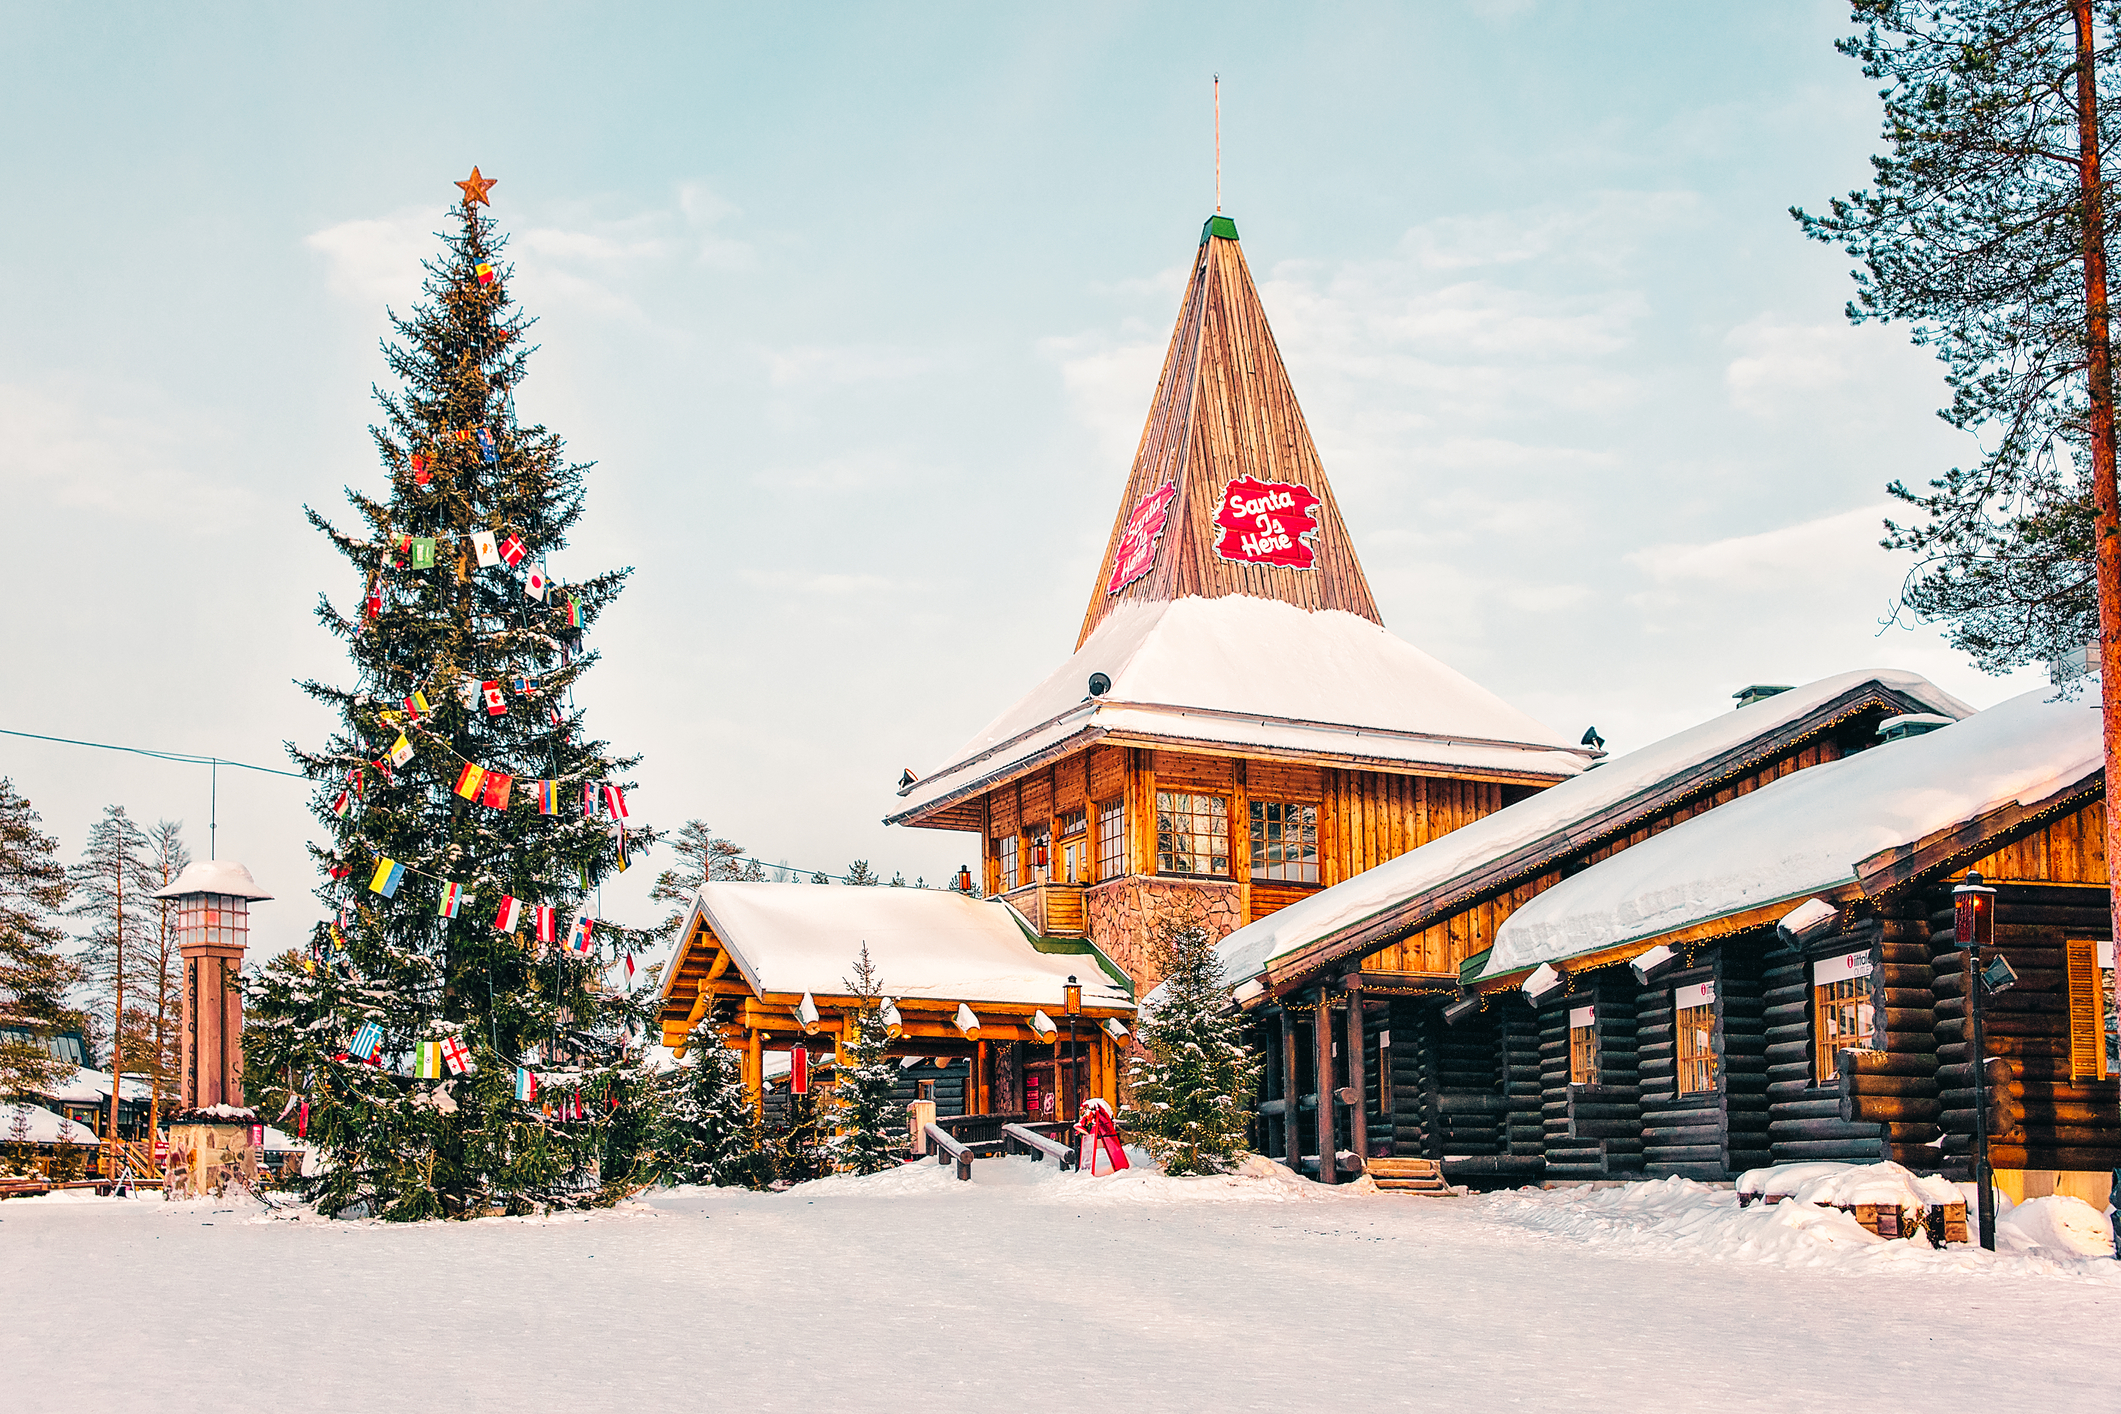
[(2099, 380)]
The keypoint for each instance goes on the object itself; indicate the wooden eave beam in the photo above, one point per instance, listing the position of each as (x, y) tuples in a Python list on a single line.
[(1712, 930), (1945, 850), (1424, 911)]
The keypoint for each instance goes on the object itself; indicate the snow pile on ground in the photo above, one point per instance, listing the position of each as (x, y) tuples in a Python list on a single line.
[(1255, 1180), (1846, 1185), (1676, 1216)]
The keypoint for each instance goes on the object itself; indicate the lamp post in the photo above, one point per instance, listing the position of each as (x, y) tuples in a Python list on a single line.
[(213, 899), (1973, 928), (1072, 995)]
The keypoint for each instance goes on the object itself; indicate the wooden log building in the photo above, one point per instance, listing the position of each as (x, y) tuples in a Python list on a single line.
[(1778, 980), (1236, 730), (1502, 1091), (972, 985)]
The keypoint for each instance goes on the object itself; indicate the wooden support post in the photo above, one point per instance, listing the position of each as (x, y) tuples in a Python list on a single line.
[(755, 1073), (1292, 1140), (1358, 1113), (976, 1083), (1322, 1036)]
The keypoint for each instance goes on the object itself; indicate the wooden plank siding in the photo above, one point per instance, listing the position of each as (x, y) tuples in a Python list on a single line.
[(2071, 850)]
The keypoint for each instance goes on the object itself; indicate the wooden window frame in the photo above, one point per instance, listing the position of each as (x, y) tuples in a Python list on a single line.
[(1844, 1009), (1262, 846), (1109, 859), (1073, 822), (1197, 805), (1006, 862), (1695, 1072), (2090, 990), (1583, 1045)]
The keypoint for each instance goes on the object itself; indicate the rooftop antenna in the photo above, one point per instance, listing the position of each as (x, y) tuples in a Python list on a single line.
[(1218, 144)]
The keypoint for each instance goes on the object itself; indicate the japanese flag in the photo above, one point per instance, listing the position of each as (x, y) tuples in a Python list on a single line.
[(488, 547), (536, 585)]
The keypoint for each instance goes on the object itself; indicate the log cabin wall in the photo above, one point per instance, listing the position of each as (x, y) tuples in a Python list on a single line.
[(948, 1083), (1719, 1129), (1591, 1129), (2071, 1122)]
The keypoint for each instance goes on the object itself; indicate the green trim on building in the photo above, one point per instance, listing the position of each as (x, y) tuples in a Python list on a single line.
[(1218, 226)]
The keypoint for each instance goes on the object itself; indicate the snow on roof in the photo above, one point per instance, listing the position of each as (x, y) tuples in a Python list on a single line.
[(1247, 672), (87, 1087), (1545, 819), (43, 1127), (1807, 832), (215, 876), (924, 942)]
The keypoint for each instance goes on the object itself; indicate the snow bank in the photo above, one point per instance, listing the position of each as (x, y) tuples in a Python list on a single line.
[(42, 1126), (2058, 1226), (1255, 1180), (1677, 1217), (1806, 833)]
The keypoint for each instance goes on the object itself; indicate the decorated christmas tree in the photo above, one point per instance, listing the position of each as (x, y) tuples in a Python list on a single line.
[(449, 1041), (1186, 1103), (866, 1142), (705, 1129)]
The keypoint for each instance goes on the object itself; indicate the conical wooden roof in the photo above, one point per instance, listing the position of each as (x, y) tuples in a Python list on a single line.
[(1224, 411)]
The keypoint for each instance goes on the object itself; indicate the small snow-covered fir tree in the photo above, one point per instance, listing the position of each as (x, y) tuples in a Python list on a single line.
[(35, 975), (866, 1141), (859, 872), (799, 1150), (705, 1130), (1187, 1094)]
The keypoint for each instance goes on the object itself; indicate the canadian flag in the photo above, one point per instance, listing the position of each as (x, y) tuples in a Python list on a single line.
[(496, 700)]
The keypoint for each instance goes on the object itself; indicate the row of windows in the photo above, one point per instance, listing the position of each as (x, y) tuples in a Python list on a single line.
[(1696, 1050), (1192, 838)]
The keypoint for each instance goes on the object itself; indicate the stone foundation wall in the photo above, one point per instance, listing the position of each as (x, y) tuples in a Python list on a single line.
[(1126, 915)]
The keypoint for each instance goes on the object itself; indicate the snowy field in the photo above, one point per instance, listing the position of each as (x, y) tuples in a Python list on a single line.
[(909, 1290)]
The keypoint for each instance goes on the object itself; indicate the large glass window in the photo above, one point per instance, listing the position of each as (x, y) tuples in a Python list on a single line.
[(1284, 841), (1583, 1045), (1842, 1017), (1111, 839), (1192, 834)]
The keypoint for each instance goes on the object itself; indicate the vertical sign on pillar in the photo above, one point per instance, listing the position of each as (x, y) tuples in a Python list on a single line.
[(799, 1071)]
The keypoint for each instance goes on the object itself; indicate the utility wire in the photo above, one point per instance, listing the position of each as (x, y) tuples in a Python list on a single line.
[(182, 757)]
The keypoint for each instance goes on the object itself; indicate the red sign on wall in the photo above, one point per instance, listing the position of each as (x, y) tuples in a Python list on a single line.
[(1137, 540), (1265, 522)]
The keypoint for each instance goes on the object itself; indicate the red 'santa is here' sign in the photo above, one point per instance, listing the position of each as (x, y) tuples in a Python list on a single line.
[(1137, 539), (1265, 522)]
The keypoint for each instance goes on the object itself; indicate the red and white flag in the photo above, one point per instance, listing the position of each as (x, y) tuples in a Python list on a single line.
[(458, 1056), (496, 700), (578, 933), (615, 801), (536, 585), (511, 915), (513, 550), (548, 923)]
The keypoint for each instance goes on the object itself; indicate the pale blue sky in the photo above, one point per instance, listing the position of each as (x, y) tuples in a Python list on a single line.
[(859, 308)]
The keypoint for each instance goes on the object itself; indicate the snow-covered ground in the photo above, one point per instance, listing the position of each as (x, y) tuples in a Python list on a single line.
[(909, 1290)]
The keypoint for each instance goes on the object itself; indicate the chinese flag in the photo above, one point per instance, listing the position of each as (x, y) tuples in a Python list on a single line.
[(495, 794)]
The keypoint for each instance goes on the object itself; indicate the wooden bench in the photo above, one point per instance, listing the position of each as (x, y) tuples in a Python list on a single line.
[(1410, 1176)]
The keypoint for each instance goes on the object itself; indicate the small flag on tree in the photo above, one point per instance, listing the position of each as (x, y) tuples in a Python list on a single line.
[(367, 1043), (417, 705), (513, 550), (496, 702), (420, 474), (486, 547), (589, 801), (375, 603), (484, 270), (526, 1085), (498, 784), (510, 916), (469, 781), (400, 750), (428, 1064), (524, 686), (423, 552), (488, 453), (578, 933), (547, 794), (622, 859), (574, 612), (389, 874), (452, 899), (615, 801), (343, 806), (536, 585), (458, 1056), (629, 972), (468, 692), (548, 922)]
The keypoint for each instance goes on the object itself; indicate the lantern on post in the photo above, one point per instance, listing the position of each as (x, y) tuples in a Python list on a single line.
[(1974, 928), (964, 878)]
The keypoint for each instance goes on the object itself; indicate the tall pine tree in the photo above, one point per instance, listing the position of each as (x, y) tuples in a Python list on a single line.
[(35, 975), (867, 1141), (1187, 1101), (460, 755)]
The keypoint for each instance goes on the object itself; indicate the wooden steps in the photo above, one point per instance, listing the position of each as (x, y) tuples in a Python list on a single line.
[(1410, 1176)]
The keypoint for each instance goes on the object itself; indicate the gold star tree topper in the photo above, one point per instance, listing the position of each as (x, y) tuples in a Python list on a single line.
[(475, 188)]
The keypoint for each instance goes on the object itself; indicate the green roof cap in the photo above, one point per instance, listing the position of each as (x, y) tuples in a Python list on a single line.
[(1218, 226)]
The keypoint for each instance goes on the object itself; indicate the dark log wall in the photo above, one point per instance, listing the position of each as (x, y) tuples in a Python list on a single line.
[(949, 1087), (1720, 1133), (1592, 1131), (2067, 1124)]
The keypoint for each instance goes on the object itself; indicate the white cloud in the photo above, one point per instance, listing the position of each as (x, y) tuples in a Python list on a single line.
[(376, 261), (119, 449), (1840, 546)]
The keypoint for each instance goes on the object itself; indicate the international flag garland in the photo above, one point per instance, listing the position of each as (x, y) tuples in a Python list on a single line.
[(343, 806), (546, 794), (423, 552), (548, 922), (574, 612), (400, 750), (469, 781), (389, 874), (615, 800), (526, 1085), (589, 801), (496, 700), (458, 1056), (536, 585), (452, 900), (417, 706), (484, 270), (513, 550), (578, 933), (510, 916), (428, 1062), (367, 1043), (484, 544), (495, 795), (490, 455)]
